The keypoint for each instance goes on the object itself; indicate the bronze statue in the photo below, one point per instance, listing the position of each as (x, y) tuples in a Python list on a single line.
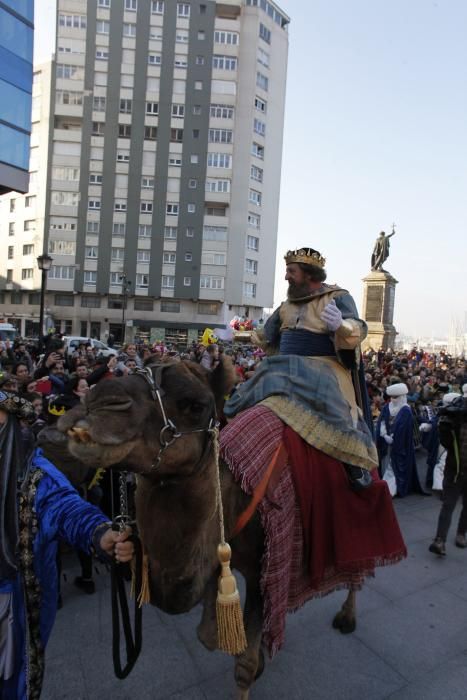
[(381, 251)]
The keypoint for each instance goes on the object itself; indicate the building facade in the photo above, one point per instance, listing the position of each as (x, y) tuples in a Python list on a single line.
[(16, 53), (162, 167)]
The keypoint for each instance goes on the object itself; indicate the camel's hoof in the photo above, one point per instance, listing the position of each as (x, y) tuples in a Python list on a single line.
[(207, 635), (246, 668), (344, 624)]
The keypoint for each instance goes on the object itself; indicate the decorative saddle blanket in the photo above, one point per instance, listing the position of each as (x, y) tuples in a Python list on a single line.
[(320, 536)]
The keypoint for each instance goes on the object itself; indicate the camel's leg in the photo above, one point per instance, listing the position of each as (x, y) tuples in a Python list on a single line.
[(250, 664), (207, 628), (346, 618)]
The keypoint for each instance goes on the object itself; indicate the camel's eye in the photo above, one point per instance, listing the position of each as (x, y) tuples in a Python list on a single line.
[(189, 406)]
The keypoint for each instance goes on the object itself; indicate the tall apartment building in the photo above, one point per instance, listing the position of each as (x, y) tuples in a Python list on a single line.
[(162, 167), (16, 46)]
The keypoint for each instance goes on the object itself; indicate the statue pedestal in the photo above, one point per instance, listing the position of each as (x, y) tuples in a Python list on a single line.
[(378, 310)]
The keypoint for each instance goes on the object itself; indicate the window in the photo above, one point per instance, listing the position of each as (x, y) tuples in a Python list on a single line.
[(191, 208), (198, 84), (131, 5), (143, 304), (28, 249), (254, 220), (129, 29), (145, 207), (183, 9), (143, 256), (249, 289), (123, 156), (255, 197), (200, 60), (262, 81), (259, 127), (72, 21), (154, 59), (221, 111), (211, 257), (9, 275), (181, 37), (102, 27), (152, 108), (190, 232), (157, 8), (117, 254), (187, 281), (68, 97), (263, 57), (197, 110), (219, 160), (150, 133), (256, 173), (178, 111), (11, 252), (210, 282), (192, 183), (176, 135), (90, 302), (12, 205), (29, 201), (34, 299), (226, 38), (264, 33), (207, 309), (260, 105), (69, 199), (62, 247), (201, 35), (171, 209), (175, 160), (180, 62), (144, 231), (91, 252), (214, 211), (215, 233), (147, 183), (224, 62), (94, 204), (98, 129), (168, 281), (102, 55), (170, 233), (62, 172), (251, 266), (90, 277), (11, 229), (62, 272), (92, 227), (27, 273), (30, 225), (220, 136), (194, 159), (170, 307), (124, 131), (125, 106), (95, 179), (103, 3), (115, 281), (252, 243), (257, 150), (142, 281), (64, 300), (169, 258), (120, 205), (217, 185)]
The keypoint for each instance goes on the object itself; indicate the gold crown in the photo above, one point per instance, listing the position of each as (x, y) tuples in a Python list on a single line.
[(309, 256)]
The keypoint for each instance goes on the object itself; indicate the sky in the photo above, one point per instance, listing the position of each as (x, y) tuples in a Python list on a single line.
[(375, 134)]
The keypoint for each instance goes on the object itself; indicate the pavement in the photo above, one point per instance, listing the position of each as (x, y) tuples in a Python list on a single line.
[(410, 641)]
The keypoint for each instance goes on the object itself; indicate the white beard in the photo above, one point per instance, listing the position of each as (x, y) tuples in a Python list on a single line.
[(396, 404)]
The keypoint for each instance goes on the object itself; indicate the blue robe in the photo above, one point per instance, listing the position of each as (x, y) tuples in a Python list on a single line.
[(61, 514), (402, 452)]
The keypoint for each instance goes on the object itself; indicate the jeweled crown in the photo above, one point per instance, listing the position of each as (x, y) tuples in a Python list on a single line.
[(309, 256)]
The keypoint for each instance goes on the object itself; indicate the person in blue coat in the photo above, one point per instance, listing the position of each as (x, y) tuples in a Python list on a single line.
[(38, 506), (394, 434)]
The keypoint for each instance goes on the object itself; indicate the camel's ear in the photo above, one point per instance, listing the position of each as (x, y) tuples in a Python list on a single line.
[(222, 380)]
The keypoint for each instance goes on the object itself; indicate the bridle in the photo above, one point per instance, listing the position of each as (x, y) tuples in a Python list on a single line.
[(169, 432)]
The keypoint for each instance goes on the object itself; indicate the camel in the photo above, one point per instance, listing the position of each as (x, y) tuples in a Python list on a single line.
[(124, 422)]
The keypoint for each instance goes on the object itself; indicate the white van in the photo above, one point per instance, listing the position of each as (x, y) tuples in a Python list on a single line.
[(72, 343), (8, 332)]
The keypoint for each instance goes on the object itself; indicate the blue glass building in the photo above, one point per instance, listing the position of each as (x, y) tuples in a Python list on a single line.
[(16, 56)]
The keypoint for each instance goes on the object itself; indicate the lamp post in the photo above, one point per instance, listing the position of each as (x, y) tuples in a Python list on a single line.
[(126, 284), (44, 263)]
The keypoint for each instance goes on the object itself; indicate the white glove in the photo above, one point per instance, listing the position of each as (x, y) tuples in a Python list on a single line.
[(331, 316), (388, 439), (425, 427)]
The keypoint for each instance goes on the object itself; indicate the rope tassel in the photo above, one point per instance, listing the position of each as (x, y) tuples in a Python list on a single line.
[(230, 630)]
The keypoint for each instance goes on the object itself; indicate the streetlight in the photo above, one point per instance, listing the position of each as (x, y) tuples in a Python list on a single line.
[(126, 284), (44, 263)]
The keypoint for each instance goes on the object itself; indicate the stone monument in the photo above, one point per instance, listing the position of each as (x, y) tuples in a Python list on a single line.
[(378, 298)]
